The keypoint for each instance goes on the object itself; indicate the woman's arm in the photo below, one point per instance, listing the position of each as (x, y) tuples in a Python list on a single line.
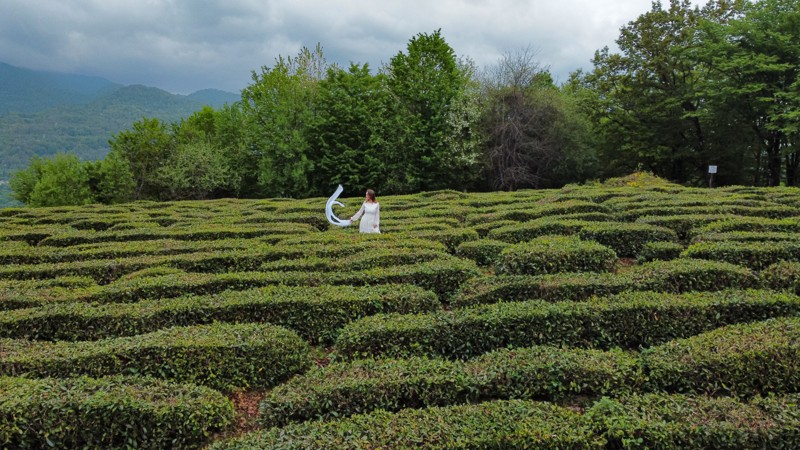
[(359, 213)]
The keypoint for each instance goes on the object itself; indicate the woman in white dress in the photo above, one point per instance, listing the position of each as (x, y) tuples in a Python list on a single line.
[(371, 210)]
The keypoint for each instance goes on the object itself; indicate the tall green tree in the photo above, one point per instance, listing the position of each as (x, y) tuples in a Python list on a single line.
[(195, 171), (279, 106), (648, 94), (347, 134), (59, 181), (111, 179), (755, 83), (425, 83), (145, 147)]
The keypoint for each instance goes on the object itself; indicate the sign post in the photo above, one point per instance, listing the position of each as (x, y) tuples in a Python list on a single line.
[(711, 171)]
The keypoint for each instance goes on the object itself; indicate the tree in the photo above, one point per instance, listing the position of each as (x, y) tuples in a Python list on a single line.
[(24, 181), (346, 136), (64, 181), (754, 61), (424, 82), (195, 171), (111, 179), (145, 148), (649, 108), (535, 137), (278, 106)]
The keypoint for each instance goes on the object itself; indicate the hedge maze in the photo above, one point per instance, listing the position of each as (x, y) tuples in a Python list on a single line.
[(606, 316)]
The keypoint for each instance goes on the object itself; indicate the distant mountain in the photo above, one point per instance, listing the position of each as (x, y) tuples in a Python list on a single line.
[(44, 113), (29, 91)]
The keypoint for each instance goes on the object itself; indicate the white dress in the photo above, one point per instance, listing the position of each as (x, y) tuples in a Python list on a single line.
[(372, 218)]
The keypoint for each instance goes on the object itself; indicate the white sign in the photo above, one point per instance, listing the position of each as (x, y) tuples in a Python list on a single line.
[(712, 169)]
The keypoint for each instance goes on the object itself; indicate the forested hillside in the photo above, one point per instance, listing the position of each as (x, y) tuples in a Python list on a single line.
[(43, 113)]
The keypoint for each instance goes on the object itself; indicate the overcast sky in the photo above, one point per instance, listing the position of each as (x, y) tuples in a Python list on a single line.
[(186, 45)]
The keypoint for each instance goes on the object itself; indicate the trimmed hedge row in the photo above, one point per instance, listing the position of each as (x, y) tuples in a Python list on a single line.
[(626, 239), (196, 233), (359, 261), (483, 251), (502, 424), (523, 213), (631, 320), (113, 412), (316, 313), (655, 421), (783, 276), (755, 255), (748, 236), (220, 356), (680, 275), (789, 225), (664, 251), (525, 231), (553, 254), (685, 223), (659, 421), (344, 389), (742, 360), (767, 211)]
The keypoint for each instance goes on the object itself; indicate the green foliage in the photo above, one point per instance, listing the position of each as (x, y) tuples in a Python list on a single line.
[(742, 360), (145, 147), (552, 254), (196, 171), (659, 421), (343, 389), (755, 255), (62, 180), (111, 412), (221, 356), (516, 424), (629, 321), (316, 313), (626, 239), (484, 251), (665, 251), (783, 275)]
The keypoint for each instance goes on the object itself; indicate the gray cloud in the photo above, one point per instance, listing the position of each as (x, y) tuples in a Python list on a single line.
[(183, 46)]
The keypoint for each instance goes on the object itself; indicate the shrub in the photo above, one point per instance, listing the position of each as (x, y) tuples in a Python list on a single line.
[(220, 356), (525, 231), (502, 424), (629, 321), (626, 239), (346, 388), (316, 313), (484, 251), (552, 254), (755, 255), (111, 412), (743, 359), (683, 224), (664, 251), (659, 421), (783, 276), (680, 275)]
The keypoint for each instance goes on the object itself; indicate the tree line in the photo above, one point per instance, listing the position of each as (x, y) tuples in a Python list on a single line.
[(689, 87)]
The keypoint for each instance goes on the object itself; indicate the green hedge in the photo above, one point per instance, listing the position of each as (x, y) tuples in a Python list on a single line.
[(553, 254), (113, 412), (748, 236), (632, 320), (626, 239), (484, 251), (316, 313), (525, 231), (680, 275), (502, 424), (743, 360), (658, 421), (664, 251), (783, 276), (683, 224), (343, 389), (788, 225), (196, 233), (755, 255), (220, 356), (450, 238)]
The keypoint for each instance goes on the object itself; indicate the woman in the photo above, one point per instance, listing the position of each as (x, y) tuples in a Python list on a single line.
[(371, 210)]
